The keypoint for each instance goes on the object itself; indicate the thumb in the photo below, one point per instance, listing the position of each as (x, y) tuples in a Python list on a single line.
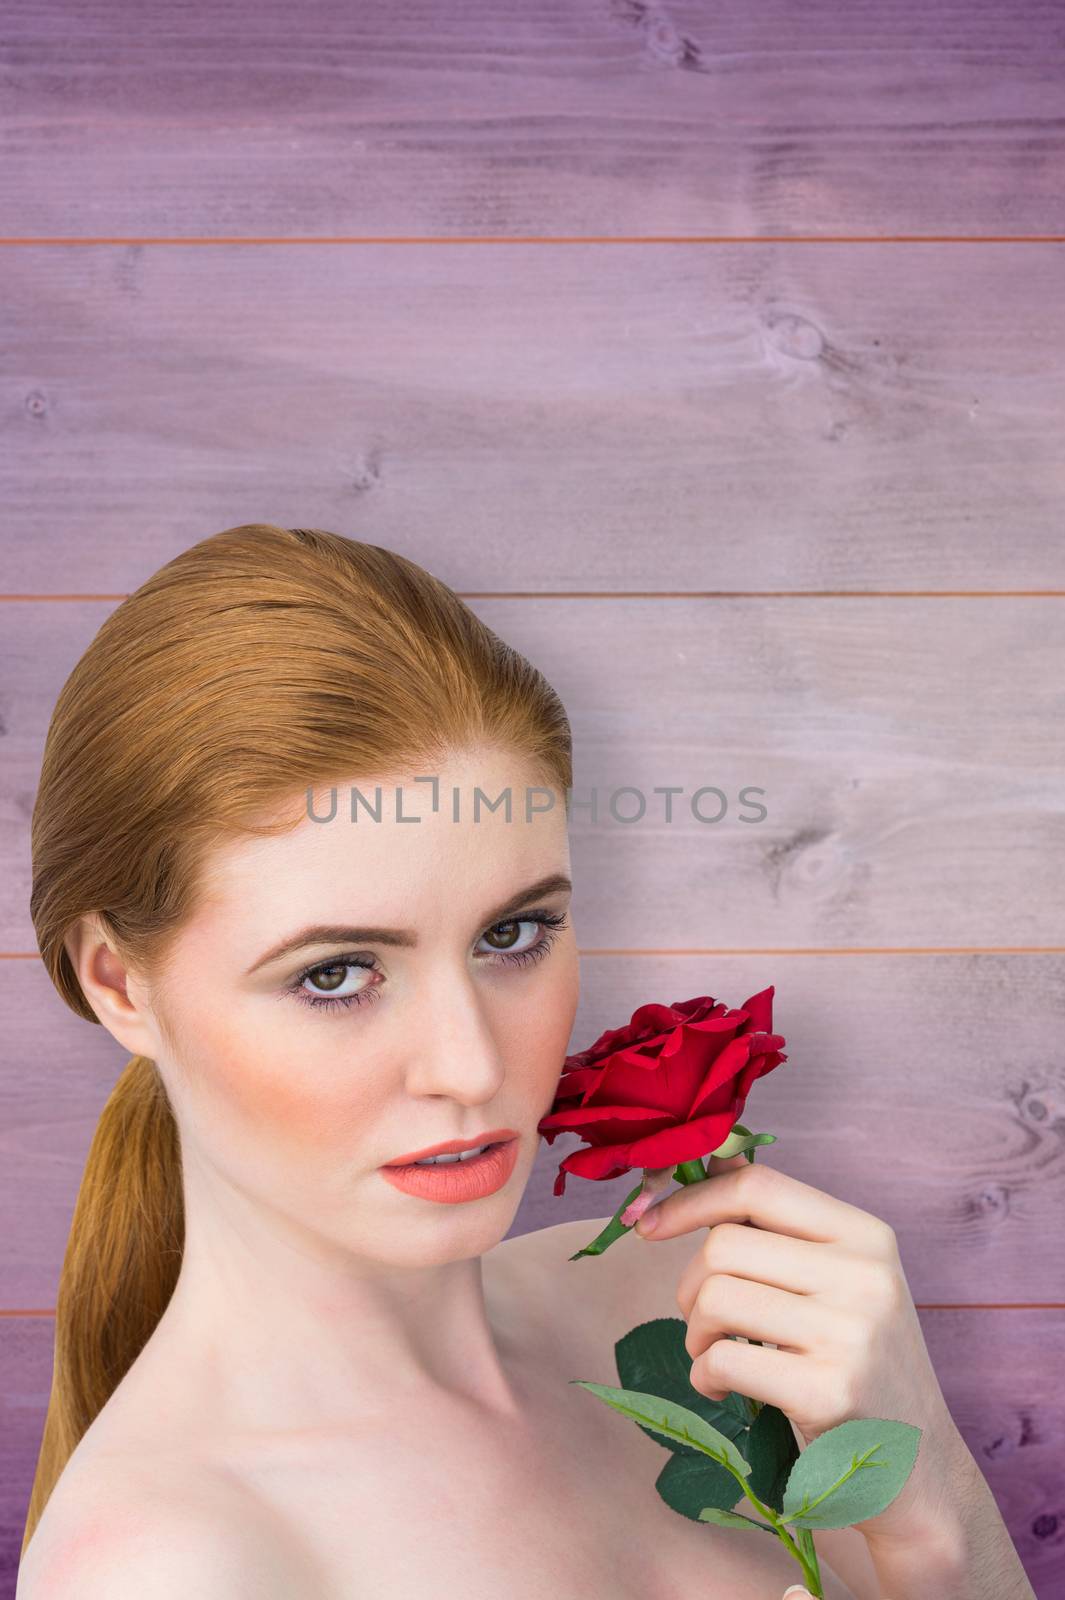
[(797, 1590)]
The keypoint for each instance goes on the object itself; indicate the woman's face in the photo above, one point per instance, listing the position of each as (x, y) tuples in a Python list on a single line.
[(295, 1076)]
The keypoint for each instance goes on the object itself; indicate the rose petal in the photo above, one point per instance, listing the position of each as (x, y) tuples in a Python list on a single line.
[(666, 1087)]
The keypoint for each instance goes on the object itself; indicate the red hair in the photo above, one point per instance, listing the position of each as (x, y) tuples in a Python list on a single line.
[(258, 664)]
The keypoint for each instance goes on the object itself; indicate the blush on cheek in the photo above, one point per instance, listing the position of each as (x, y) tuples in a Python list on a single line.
[(251, 1084)]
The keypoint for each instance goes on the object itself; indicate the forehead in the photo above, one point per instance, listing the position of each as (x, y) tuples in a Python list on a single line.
[(414, 862)]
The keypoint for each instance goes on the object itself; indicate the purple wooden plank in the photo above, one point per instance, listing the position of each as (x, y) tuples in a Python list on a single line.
[(544, 418), (26, 1364), (909, 756), (997, 1369), (919, 1089), (480, 118)]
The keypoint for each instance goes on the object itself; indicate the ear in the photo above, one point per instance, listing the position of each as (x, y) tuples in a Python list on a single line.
[(106, 983)]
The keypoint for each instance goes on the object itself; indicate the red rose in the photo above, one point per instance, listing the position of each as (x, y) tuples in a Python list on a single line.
[(666, 1088)]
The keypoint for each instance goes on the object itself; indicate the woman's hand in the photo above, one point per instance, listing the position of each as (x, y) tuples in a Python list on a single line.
[(820, 1279)]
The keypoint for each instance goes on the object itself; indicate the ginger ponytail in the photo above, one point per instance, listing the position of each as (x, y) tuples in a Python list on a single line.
[(259, 664), (126, 1234)]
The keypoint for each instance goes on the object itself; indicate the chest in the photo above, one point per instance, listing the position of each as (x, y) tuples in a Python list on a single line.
[(567, 1506)]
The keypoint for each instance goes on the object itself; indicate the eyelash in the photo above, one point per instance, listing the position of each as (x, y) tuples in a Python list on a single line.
[(550, 922)]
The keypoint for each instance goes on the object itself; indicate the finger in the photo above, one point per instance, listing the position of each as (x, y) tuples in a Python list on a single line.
[(801, 1265), (776, 1377), (717, 1164), (725, 1306), (769, 1199)]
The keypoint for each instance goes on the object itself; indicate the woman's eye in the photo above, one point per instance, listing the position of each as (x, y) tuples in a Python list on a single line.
[(333, 985), (339, 982), (513, 947), (509, 938)]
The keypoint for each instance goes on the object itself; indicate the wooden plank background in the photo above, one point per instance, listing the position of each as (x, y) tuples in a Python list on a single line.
[(715, 354), (131, 117)]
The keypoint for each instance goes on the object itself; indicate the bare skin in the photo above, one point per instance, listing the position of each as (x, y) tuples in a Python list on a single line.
[(433, 1497), (354, 1390)]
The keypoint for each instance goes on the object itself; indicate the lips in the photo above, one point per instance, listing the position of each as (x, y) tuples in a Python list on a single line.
[(453, 1146)]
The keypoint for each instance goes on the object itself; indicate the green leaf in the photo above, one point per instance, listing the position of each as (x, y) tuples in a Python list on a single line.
[(691, 1481), (772, 1450), (682, 1394), (651, 1358), (732, 1519), (613, 1230), (675, 1421), (850, 1473)]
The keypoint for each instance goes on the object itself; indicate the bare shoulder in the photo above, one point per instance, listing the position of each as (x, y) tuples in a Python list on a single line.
[(639, 1278), (599, 1298), (632, 1281), (115, 1531)]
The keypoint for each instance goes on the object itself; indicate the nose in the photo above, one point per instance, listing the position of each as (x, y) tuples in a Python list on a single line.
[(458, 1053)]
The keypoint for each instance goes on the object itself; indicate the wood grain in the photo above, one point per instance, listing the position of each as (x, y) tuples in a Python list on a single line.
[(925, 1090), (908, 756), (621, 117), (825, 477), (589, 418)]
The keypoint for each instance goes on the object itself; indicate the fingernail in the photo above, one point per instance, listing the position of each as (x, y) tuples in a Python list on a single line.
[(796, 1588), (648, 1222)]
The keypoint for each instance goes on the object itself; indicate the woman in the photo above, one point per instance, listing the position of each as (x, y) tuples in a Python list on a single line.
[(288, 1359)]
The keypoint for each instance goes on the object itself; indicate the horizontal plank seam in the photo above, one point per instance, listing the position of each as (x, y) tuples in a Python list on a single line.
[(679, 594), (535, 238)]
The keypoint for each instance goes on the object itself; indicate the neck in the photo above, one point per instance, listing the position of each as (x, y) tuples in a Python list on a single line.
[(285, 1331)]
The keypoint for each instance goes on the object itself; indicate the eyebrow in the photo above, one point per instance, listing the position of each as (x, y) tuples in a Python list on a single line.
[(333, 933)]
